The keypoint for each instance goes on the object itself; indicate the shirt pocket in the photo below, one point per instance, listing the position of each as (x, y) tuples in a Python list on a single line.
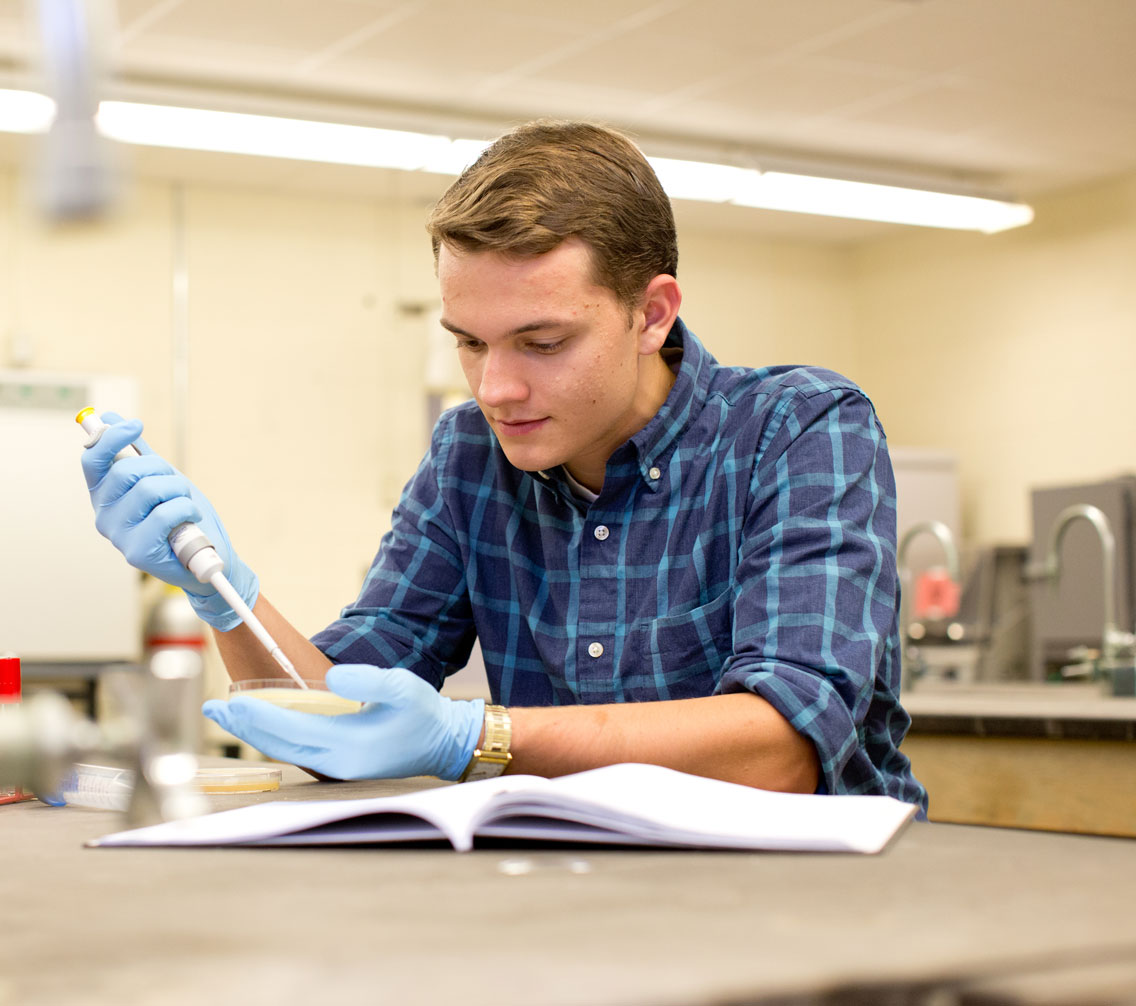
[(681, 655)]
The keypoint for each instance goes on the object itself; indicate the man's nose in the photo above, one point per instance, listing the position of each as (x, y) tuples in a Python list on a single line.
[(501, 381)]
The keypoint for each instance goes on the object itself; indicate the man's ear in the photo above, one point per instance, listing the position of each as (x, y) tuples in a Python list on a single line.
[(660, 304)]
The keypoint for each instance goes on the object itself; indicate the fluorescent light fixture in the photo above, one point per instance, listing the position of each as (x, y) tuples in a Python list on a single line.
[(25, 112), (700, 180), (367, 146), (454, 159), (269, 136), (833, 197)]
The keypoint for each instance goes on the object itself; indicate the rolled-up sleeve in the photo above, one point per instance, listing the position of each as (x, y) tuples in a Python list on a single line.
[(816, 590)]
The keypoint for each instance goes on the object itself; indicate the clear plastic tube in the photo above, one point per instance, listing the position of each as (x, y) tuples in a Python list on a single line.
[(101, 787)]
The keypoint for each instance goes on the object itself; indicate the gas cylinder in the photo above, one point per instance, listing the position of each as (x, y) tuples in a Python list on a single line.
[(172, 622)]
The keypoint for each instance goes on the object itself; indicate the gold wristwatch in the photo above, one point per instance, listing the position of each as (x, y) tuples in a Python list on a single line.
[(493, 757)]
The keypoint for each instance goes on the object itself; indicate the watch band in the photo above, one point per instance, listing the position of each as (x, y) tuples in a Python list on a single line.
[(493, 757)]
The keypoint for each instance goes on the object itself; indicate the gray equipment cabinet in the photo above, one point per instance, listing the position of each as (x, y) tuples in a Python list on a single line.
[(1070, 616)]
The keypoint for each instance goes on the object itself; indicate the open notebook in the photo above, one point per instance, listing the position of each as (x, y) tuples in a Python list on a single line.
[(627, 804)]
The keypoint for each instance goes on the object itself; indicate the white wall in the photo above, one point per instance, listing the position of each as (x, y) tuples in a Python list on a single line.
[(756, 302), (1016, 351), (290, 320)]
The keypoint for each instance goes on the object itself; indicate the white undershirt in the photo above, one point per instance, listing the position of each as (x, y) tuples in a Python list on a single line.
[(578, 490)]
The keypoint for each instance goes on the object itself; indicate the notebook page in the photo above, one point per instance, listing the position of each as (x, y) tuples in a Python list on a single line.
[(657, 804)]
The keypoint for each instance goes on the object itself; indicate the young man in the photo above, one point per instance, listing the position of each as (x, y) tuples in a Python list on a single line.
[(664, 560)]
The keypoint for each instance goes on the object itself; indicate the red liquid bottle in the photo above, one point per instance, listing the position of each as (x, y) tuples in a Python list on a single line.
[(9, 701)]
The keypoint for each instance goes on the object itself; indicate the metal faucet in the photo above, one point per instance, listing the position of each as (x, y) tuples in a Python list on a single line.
[(942, 533), (1113, 640), (947, 540), (42, 739)]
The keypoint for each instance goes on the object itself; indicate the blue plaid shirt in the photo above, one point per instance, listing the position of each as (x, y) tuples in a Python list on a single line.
[(744, 540)]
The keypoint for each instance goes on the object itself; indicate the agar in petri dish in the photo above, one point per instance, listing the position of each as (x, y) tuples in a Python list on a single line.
[(284, 692), (242, 779)]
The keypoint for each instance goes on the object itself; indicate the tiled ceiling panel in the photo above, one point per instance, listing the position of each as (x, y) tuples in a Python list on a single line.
[(762, 30), (1025, 95), (486, 45), (637, 64), (789, 93), (272, 24), (938, 37)]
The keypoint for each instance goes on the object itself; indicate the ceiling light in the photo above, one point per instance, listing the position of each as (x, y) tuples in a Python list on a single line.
[(455, 158), (835, 197), (367, 146), (700, 180), (25, 112), (268, 136)]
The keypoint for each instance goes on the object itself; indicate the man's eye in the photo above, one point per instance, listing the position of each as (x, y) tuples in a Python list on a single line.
[(547, 347), (472, 345)]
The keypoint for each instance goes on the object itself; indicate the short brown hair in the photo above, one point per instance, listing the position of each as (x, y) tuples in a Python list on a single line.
[(548, 181)]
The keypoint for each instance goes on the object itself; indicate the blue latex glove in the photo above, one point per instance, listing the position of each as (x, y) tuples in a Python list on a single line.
[(406, 728), (138, 501)]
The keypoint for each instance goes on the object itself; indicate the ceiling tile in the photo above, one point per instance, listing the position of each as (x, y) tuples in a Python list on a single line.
[(757, 29), (789, 92), (1092, 58), (296, 26), (1074, 131), (127, 12), (647, 70), (942, 35), (434, 43), (581, 16)]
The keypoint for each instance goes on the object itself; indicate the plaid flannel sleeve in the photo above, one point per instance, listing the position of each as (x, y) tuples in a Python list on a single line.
[(816, 592)]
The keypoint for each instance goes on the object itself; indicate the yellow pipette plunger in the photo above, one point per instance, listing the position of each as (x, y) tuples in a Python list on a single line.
[(197, 554)]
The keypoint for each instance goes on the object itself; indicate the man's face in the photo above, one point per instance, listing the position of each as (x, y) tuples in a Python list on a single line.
[(552, 359)]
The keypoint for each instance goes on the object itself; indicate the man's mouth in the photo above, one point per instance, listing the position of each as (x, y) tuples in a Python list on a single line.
[(520, 427)]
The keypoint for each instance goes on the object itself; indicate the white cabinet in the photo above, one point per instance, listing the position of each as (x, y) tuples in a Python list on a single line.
[(66, 594)]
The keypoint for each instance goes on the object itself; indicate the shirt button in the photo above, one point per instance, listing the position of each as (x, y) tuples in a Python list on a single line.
[(601, 533), (595, 650), (655, 474)]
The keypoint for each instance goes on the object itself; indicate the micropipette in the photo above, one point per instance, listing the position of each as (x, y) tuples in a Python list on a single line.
[(196, 553)]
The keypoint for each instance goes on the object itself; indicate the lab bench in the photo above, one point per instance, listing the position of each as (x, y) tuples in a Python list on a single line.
[(998, 912), (1049, 757)]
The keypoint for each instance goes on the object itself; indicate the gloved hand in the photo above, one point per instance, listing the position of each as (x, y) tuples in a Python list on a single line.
[(138, 501), (406, 728)]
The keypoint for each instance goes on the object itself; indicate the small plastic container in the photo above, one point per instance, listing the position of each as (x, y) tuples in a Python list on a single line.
[(284, 692), (103, 787)]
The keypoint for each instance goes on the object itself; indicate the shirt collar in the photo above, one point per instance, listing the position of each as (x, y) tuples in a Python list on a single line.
[(654, 443)]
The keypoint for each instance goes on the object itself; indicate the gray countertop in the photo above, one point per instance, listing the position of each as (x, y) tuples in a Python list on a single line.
[(1069, 710), (504, 926)]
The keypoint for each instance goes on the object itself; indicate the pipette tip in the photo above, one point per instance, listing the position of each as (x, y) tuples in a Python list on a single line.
[(283, 661)]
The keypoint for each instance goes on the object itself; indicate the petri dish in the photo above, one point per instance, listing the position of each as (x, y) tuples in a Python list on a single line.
[(241, 779), (284, 692)]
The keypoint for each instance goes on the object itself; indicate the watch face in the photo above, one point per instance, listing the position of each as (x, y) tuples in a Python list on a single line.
[(486, 765), (484, 770)]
